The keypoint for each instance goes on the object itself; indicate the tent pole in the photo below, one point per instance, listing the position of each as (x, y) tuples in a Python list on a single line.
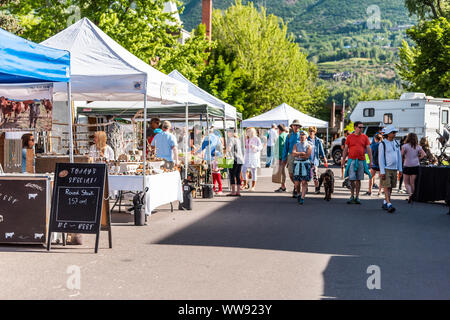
[(225, 137), (145, 140), (209, 171), (186, 144), (70, 120), (326, 145)]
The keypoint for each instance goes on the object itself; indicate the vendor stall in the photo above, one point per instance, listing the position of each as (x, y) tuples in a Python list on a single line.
[(28, 72), (432, 184), (102, 70), (197, 115)]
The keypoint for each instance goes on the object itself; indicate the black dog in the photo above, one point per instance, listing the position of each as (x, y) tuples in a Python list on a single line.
[(327, 179)]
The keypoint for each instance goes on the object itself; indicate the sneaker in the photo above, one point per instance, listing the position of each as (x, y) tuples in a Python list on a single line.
[(390, 208), (384, 206), (351, 200), (356, 201), (368, 193), (375, 186), (280, 189), (300, 200)]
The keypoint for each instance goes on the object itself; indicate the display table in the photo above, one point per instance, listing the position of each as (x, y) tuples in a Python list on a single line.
[(163, 188), (432, 184)]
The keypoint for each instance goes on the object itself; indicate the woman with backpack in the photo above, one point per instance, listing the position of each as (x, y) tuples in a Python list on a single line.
[(412, 153), (375, 167)]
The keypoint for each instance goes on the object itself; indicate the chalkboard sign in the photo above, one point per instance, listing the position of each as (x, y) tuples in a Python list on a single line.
[(24, 204), (78, 199)]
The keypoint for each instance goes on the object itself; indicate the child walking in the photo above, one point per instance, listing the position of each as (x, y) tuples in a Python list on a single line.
[(217, 177)]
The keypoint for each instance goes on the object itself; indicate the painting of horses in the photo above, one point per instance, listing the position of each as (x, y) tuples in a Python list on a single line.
[(25, 114)]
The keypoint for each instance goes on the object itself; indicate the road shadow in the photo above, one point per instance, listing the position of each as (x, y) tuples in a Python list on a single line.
[(410, 246)]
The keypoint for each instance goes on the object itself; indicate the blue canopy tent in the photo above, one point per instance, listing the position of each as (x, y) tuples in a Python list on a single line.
[(23, 61)]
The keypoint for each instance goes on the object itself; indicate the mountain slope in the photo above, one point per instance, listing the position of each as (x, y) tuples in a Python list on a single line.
[(321, 16), (341, 37)]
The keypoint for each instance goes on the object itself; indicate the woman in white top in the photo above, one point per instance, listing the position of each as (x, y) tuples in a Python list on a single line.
[(252, 157), (100, 149)]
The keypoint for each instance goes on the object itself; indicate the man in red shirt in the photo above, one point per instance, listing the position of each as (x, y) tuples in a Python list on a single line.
[(356, 146)]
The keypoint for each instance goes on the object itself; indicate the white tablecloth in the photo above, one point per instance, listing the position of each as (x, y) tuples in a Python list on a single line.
[(162, 188)]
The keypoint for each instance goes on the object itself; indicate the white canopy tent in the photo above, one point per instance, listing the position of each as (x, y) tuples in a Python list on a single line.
[(230, 111), (103, 70), (283, 114)]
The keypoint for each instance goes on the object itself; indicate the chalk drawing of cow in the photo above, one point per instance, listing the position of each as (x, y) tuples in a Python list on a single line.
[(9, 235), (32, 196), (38, 235)]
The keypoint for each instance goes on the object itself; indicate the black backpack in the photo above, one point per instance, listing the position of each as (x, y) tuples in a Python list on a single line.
[(375, 156)]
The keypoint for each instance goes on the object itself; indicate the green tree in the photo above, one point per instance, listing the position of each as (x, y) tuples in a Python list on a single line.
[(189, 58), (428, 8), (40, 19), (140, 26), (276, 68), (8, 21), (426, 67), (225, 80)]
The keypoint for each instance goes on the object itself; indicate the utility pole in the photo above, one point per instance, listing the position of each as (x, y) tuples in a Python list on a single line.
[(333, 114)]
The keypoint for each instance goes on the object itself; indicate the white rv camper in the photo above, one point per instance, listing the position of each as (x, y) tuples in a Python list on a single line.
[(413, 112)]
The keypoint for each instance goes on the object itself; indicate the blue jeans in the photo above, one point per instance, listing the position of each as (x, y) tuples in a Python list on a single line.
[(269, 156)]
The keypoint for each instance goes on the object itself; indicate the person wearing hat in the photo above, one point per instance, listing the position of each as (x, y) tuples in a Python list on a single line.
[(302, 166), (356, 146), (390, 162), (287, 157)]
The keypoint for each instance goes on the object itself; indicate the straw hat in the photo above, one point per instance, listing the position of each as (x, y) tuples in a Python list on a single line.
[(296, 123)]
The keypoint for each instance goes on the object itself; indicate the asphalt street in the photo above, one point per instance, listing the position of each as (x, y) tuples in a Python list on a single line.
[(260, 246)]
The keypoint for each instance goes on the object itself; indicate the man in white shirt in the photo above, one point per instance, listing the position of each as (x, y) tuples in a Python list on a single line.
[(272, 137), (390, 161)]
